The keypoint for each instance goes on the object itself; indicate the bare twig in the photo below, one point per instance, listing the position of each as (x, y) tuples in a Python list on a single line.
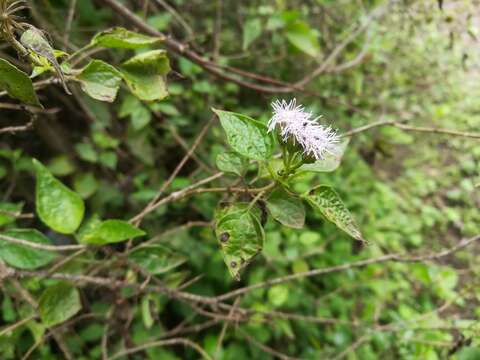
[(175, 196), (41, 246), (167, 342), (405, 127), (68, 24), (224, 328), (152, 204), (361, 263), (265, 348)]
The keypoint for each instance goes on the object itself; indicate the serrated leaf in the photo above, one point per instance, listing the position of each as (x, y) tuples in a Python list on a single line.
[(156, 259), (286, 209), (58, 207), (231, 162), (246, 136), (120, 38), (24, 257), (300, 35), (326, 200), (109, 232), (100, 80), (17, 84), (240, 236), (330, 163), (59, 303), (145, 75)]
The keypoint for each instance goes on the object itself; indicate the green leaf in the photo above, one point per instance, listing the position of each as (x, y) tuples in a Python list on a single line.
[(147, 317), (17, 84), (24, 257), (145, 75), (58, 207), (85, 184), (156, 259), (86, 152), (300, 35), (240, 236), (286, 209), (140, 115), (246, 136), (110, 231), (100, 80), (230, 162), (59, 303), (251, 31), (108, 159), (8, 212), (120, 38), (61, 166), (330, 163), (325, 199), (278, 295)]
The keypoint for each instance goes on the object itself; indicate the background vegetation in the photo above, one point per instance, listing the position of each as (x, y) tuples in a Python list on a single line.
[(399, 78)]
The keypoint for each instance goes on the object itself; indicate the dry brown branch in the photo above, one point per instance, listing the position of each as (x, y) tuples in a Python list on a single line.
[(217, 70)]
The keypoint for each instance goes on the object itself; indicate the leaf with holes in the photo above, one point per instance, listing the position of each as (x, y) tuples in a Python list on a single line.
[(59, 303), (145, 75), (156, 259), (120, 38), (241, 238), (326, 200), (17, 84), (246, 136), (286, 209), (25, 257), (100, 80), (58, 207)]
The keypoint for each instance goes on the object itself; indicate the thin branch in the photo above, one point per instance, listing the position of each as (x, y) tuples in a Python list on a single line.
[(265, 348), (361, 263), (405, 127), (340, 47), (12, 327), (15, 129), (41, 246), (168, 342), (177, 16), (152, 204), (68, 24), (175, 196), (224, 329)]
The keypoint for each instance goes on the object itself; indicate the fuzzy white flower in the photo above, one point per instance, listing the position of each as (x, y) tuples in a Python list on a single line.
[(300, 125)]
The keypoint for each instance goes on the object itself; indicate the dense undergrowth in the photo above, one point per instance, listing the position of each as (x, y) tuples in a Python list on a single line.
[(167, 291)]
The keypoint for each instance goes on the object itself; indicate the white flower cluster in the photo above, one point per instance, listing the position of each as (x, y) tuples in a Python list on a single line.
[(295, 122)]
